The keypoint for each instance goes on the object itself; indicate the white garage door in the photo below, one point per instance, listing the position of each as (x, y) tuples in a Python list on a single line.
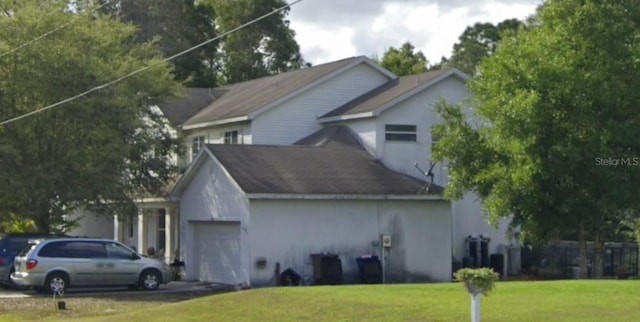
[(217, 252)]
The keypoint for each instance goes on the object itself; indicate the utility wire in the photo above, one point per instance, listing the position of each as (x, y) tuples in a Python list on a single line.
[(46, 34), (117, 80)]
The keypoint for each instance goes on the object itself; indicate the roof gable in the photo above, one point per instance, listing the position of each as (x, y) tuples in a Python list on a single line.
[(387, 95), (243, 101)]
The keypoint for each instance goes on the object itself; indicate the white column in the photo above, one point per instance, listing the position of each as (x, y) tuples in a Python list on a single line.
[(168, 245), (116, 228), (142, 232)]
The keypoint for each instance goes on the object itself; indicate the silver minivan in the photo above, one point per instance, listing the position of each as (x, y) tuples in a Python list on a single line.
[(53, 265)]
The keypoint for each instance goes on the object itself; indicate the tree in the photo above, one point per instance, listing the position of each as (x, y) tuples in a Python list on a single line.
[(479, 41), (175, 26), (404, 60), (264, 48), (549, 138), (98, 152)]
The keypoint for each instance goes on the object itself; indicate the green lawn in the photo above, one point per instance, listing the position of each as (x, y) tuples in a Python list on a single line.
[(603, 300)]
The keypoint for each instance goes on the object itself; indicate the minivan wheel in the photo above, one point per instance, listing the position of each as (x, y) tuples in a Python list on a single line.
[(56, 283), (150, 280)]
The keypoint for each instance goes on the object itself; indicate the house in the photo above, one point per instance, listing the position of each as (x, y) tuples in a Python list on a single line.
[(388, 119), (243, 204)]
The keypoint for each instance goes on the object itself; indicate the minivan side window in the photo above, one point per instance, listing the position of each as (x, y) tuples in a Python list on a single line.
[(55, 249), (82, 249), (118, 251)]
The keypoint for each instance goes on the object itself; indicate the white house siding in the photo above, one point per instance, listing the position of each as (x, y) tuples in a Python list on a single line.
[(417, 110), (289, 231), (365, 129), (92, 225), (213, 135), (297, 117), (402, 156), (468, 220), (211, 196)]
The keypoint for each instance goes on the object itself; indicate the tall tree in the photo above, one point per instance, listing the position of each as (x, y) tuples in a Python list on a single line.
[(555, 118), (99, 151), (264, 48), (479, 41), (175, 26), (404, 60)]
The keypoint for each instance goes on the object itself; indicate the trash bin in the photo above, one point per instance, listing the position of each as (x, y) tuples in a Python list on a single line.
[(369, 269), (327, 269), (497, 263), (576, 272)]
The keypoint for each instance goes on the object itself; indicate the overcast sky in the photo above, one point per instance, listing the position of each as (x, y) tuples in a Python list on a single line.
[(328, 30)]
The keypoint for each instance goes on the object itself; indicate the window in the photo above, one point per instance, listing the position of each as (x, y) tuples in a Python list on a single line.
[(397, 132), (196, 144), (75, 249), (117, 251), (231, 137)]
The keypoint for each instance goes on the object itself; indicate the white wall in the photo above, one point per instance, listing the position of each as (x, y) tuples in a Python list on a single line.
[(288, 231), (298, 117), (211, 196), (402, 156), (92, 225)]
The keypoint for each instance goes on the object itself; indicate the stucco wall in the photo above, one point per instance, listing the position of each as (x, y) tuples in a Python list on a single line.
[(289, 231)]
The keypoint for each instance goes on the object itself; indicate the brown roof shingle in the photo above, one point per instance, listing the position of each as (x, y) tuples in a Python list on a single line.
[(385, 93), (241, 99), (335, 165)]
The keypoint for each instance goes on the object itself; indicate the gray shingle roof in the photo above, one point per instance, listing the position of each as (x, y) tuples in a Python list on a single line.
[(180, 109), (333, 164), (385, 93), (241, 99)]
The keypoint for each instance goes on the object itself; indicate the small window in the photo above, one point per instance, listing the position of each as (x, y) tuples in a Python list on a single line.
[(397, 132), (196, 145), (231, 137)]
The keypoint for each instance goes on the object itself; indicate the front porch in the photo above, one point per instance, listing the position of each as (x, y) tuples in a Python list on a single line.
[(153, 231)]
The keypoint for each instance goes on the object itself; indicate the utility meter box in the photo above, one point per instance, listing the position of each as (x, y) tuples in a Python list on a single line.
[(386, 240)]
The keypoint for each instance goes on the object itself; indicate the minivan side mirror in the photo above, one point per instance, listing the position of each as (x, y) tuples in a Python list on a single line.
[(134, 256)]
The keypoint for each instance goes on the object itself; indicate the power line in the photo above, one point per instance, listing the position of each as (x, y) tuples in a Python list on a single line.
[(46, 34), (117, 80)]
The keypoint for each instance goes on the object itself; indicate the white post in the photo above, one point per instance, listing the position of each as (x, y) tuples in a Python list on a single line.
[(168, 246), (475, 307), (116, 228), (142, 232)]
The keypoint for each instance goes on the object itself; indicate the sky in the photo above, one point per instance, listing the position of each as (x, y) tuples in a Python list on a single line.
[(329, 30)]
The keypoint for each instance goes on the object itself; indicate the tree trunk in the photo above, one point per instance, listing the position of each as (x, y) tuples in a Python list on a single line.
[(582, 252), (43, 223)]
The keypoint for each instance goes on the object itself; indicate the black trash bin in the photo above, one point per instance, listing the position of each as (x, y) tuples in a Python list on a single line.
[(327, 269), (369, 269)]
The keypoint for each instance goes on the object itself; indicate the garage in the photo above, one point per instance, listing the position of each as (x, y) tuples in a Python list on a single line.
[(217, 252)]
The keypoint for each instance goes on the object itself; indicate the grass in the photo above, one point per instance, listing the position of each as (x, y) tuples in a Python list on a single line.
[(585, 300)]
